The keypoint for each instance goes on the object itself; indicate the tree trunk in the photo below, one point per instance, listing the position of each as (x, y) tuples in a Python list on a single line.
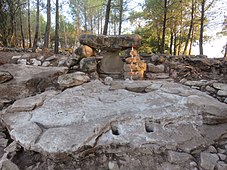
[(29, 26), (190, 28), (225, 54), (47, 31), (36, 28), (164, 27), (85, 18), (181, 32), (56, 44), (120, 17), (175, 44), (65, 35), (191, 41), (201, 27), (107, 17), (171, 43), (21, 29)]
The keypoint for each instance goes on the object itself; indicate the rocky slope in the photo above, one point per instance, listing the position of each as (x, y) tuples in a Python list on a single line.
[(61, 118)]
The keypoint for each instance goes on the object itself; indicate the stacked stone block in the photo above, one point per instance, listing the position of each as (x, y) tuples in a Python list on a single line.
[(134, 67)]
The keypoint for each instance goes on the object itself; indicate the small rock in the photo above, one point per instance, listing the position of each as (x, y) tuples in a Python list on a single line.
[(108, 81), (46, 64), (53, 57), (88, 64), (35, 62), (153, 87), (211, 149), (222, 93), (222, 156), (221, 165), (195, 83), (73, 79), (220, 86), (208, 160), (156, 68), (154, 58), (16, 57), (22, 61), (26, 104), (112, 165), (178, 157), (26, 56), (94, 75), (5, 76), (13, 147), (62, 62), (225, 101), (193, 164), (195, 87), (183, 80), (6, 164), (210, 89), (72, 60), (3, 142), (41, 58), (221, 150)]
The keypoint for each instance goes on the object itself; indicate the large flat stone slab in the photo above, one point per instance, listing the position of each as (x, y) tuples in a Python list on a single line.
[(166, 115), (111, 43), (28, 80)]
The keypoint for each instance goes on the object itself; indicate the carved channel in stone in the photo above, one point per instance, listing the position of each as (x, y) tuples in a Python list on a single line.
[(115, 129), (149, 127)]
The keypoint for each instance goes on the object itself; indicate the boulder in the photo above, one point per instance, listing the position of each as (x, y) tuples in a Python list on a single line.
[(28, 80), (72, 79), (35, 62), (208, 160), (178, 157), (85, 51), (220, 86), (156, 68), (88, 64), (111, 43), (5, 76), (73, 60), (111, 63)]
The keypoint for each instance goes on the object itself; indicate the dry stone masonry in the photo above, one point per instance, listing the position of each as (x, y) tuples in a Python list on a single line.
[(111, 64)]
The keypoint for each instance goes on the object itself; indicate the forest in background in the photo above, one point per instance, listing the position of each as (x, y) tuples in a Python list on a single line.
[(166, 26)]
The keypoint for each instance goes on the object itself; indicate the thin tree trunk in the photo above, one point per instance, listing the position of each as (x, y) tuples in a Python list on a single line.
[(21, 29), (85, 18), (98, 26), (225, 54), (164, 27), (190, 28), (47, 31), (56, 48), (120, 17), (29, 26), (191, 41), (36, 28), (107, 17), (201, 27), (181, 32), (65, 35), (171, 43), (175, 44)]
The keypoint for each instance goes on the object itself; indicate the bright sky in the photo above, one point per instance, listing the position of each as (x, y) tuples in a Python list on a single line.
[(214, 48)]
